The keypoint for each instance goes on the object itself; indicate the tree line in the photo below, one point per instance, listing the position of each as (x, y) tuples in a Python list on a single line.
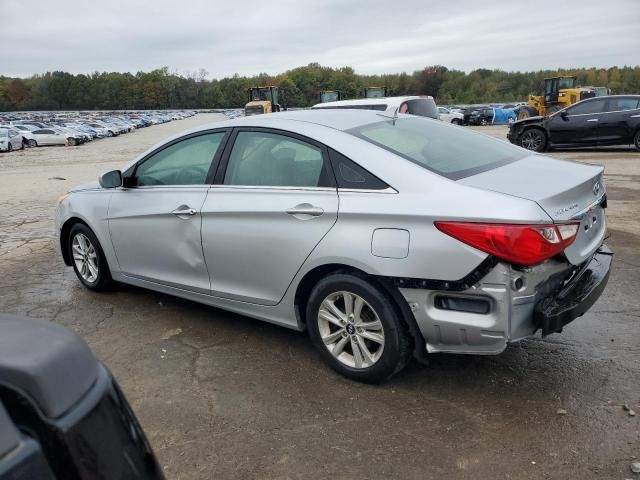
[(162, 89)]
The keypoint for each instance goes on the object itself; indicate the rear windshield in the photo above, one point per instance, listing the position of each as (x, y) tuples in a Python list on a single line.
[(447, 150)]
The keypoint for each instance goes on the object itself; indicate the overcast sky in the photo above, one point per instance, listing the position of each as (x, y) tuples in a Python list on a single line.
[(373, 36)]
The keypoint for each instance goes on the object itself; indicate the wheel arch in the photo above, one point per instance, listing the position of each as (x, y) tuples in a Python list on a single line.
[(313, 276), (64, 236)]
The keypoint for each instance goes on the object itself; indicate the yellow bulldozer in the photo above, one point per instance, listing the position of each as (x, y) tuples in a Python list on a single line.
[(265, 99), (559, 92)]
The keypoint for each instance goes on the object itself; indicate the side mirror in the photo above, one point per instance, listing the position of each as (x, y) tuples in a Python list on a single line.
[(112, 179), (564, 114)]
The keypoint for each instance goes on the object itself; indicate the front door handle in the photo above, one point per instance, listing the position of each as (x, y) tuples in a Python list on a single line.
[(593, 120), (305, 209), (184, 210)]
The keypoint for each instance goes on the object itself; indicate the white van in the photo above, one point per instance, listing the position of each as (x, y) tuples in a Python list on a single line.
[(421, 105)]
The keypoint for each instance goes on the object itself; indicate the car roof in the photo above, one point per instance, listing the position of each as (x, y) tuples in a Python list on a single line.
[(338, 119), (388, 101)]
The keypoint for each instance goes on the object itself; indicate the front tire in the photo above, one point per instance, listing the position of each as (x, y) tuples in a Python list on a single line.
[(456, 121), (358, 332), (526, 111), (533, 139), (87, 258), (32, 143), (9, 147), (72, 141), (636, 140)]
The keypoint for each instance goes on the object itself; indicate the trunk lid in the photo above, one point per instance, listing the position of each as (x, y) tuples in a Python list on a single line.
[(566, 191)]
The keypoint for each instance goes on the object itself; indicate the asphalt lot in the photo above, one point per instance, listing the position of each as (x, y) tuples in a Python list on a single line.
[(224, 396)]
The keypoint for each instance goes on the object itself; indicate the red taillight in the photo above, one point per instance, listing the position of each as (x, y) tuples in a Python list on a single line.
[(518, 244)]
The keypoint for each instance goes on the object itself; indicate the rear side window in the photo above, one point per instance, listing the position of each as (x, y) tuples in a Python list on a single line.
[(270, 159), (592, 106), (422, 107), (352, 176), (622, 104), (448, 151)]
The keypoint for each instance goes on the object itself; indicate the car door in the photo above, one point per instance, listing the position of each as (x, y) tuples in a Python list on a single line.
[(579, 125), (273, 200), (615, 125), (155, 220), (42, 136)]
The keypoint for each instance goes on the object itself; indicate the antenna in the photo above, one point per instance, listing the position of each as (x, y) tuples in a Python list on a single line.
[(393, 118)]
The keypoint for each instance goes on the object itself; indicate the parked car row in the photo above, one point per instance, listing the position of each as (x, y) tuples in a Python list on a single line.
[(40, 129)]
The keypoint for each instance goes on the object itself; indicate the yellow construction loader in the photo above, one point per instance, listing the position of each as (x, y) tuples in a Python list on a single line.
[(559, 92), (263, 100)]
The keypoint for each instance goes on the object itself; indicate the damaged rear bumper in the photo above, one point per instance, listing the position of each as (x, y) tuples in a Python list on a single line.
[(506, 304), (574, 298)]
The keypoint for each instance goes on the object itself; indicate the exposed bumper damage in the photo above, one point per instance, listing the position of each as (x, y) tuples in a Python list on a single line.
[(576, 296), (508, 304)]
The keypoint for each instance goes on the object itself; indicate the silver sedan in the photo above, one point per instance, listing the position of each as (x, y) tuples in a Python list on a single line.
[(382, 236)]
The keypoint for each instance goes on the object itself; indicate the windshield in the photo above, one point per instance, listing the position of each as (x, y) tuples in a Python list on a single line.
[(567, 82), (449, 151), (260, 95)]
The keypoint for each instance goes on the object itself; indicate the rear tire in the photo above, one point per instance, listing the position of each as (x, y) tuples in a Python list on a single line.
[(483, 122), (9, 147), (533, 139), (355, 327), (72, 141), (456, 121), (636, 140), (87, 258)]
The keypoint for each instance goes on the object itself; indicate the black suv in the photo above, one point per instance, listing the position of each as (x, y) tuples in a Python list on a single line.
[(612, 120)]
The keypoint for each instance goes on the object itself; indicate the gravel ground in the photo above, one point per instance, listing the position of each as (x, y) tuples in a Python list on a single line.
[(224, 396)]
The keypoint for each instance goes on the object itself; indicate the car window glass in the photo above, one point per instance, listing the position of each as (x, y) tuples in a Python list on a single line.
[(184, 163), (351, 175), (268, 159), (423, 107), (450, 152), (621, 104), (593, 106)]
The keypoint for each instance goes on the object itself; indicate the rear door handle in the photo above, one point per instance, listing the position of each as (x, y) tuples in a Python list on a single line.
[(184, 210), (593, 120), (305, 209)]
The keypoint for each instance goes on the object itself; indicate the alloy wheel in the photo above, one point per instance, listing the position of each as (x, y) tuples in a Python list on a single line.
[(351, 329), (531, 140), (85, 258)]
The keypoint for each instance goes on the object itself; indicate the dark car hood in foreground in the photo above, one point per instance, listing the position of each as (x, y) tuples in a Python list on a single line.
[(525, 121)]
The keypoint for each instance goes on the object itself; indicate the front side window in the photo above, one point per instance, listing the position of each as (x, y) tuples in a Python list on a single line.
[(184, 163), (593, 106), (270, 159), (448, 151)]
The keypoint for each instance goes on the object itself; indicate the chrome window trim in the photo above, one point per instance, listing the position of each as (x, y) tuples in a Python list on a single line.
[(386, 191), (271, 187), (601, 113)]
